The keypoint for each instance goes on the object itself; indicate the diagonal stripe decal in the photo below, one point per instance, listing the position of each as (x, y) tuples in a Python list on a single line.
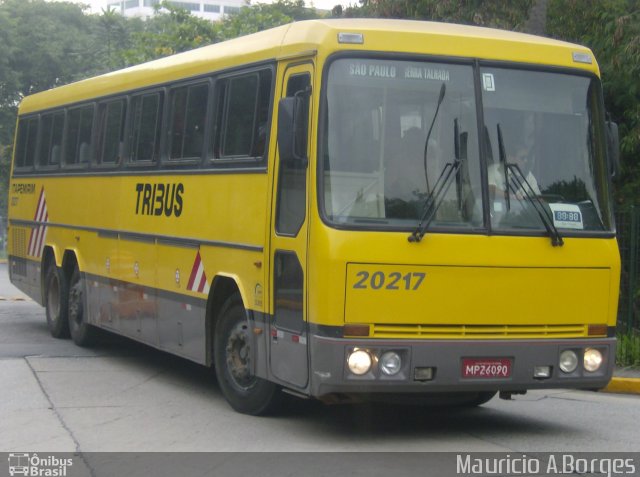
[(198, 278), (39, 232)]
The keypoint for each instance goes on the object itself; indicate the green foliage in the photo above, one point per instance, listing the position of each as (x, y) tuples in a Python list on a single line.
[(113, 35), (491, 13), (611, 28), (257, 18), (171, 30), (628, 351)]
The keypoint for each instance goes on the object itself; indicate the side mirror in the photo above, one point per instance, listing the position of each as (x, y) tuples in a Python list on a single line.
[(292, 130), (613, 148)]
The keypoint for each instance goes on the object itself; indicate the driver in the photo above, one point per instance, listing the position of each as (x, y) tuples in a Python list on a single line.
[(524, 160)]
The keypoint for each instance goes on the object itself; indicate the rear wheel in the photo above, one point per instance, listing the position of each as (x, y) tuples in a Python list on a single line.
[(82, 332), (245, 392), (56, 295)]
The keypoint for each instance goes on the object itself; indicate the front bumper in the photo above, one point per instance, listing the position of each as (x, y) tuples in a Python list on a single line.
[(330, 374)]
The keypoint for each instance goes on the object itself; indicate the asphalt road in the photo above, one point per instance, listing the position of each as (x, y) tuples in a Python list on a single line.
[(122, 396)]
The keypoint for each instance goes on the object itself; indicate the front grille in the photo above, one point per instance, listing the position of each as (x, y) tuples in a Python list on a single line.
[(478, 331)]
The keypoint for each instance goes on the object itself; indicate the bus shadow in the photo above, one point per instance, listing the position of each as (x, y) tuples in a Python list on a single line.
[(361, 421)]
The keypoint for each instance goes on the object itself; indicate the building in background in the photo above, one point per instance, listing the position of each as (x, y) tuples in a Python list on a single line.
[(208, 9)]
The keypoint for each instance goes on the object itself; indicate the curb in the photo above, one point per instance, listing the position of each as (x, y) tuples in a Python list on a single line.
[(623, 386)]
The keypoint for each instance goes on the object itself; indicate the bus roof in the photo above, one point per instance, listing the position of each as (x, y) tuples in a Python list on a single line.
[(320, 37)]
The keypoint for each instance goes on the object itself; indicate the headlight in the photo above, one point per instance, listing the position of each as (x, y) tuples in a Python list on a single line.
[(359, 362), (592, 359), (568, 361), (390, 363)]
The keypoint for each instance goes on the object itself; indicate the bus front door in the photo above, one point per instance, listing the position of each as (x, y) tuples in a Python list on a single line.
[(288, 356)]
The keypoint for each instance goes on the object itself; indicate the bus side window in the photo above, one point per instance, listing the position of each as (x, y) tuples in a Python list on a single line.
[(78, 136), (26, 143), (188, 115), (111, 132), (145, 133), (51, 130), (242, 112)]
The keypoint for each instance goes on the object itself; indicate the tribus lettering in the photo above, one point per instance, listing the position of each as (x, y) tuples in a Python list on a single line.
[(159, 199)]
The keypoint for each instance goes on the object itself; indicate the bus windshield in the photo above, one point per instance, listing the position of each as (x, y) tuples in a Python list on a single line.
[(393, 127)]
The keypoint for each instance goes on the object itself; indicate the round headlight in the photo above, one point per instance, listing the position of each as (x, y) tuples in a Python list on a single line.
[(568, 361), (390, 363), (359, 362), (592, 359)]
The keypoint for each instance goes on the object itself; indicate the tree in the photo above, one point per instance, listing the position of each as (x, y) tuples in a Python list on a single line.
[(254, 19), (171, 30), (611, 28), (113, 34), (491, 13)]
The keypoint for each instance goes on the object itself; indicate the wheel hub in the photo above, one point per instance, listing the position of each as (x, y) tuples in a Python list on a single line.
[(238, 353)]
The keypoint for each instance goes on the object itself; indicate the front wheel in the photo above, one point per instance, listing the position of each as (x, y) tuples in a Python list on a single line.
[(245, 392), (82, 333)]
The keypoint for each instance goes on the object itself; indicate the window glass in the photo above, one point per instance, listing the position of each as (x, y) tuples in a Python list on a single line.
[(243, 113), (188, 116), (194, 7), (145, 134), (78, 135), (394, 130), (52, 128), (241, 109), (547, 128), (21, 143), (292, 181), (32, 138), (112, 116)]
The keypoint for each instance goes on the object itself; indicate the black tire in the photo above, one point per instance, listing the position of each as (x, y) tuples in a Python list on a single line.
[(245, 393), (55, 301), (82, 333)]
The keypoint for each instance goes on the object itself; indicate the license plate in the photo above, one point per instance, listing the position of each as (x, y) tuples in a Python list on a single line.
[(486, 367)]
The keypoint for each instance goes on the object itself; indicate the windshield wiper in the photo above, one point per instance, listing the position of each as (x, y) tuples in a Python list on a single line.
[(435, 198), (443, 90), (502, 155), (522, 184)]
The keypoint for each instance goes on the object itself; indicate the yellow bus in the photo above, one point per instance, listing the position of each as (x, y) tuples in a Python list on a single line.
[(339, 209)]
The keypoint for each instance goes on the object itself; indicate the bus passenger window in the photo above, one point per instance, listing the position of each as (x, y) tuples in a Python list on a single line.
[(240, 111), (111, 131), (52, 127), (78, 136), (243, 113), (145, 133), (188, 116), (26, 144)]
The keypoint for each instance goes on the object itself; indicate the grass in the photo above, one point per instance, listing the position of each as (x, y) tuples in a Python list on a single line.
[(628, 352)]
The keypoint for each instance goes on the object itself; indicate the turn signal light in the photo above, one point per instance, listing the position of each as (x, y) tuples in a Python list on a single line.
[(356, 330), (597, 330)]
